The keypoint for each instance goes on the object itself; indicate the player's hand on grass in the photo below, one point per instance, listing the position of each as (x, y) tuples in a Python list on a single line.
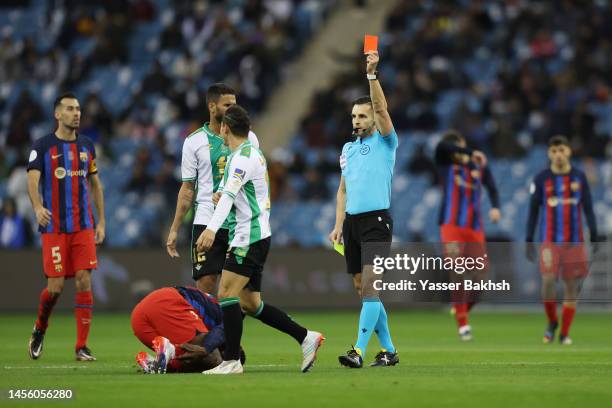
[(171, 244), (192, 351), (205, 240), (335, 236), (100, 233), (372, 62), (216, 197), (479, 158), (43, 216), (494, 215)]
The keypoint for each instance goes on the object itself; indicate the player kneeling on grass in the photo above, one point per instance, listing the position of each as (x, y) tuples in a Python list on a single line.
[(246, 199), (184, 326)]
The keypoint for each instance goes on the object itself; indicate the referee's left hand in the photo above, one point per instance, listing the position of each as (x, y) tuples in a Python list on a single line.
[(205, 240), (100, 234)]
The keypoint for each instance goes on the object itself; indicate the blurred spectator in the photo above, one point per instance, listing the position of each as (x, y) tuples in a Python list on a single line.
[(96, 121), (140, 180), (15, 230), (165, 181), (422, 163), (25, 113), (315, 188)]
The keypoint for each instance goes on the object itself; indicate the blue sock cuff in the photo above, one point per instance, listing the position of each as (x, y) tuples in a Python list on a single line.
[(364, 300)]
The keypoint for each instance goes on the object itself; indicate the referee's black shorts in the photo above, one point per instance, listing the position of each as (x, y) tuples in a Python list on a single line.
[(359, 229)]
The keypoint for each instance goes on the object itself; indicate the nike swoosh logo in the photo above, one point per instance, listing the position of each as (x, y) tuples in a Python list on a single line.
[(93, 262), (55, 156)]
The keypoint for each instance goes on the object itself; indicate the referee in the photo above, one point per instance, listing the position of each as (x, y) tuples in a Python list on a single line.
[(362, 211)]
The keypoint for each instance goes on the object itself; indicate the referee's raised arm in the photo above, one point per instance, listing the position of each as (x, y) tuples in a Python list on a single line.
[(379, 103)]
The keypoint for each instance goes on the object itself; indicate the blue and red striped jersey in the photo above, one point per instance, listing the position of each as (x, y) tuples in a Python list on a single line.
[(210, 313), (562, 198), (462, 189), (64, 167)]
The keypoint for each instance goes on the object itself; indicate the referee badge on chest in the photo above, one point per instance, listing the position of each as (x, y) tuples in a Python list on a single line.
[(364, 149)]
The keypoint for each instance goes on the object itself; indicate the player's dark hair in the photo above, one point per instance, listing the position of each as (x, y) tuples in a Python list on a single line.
[(362, 100), (558, 140), (452, 136), (60, 98), (215, 91), (237, 118)]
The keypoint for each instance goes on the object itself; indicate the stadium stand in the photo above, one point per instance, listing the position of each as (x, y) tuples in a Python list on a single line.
[(141, 76), (506, 74)]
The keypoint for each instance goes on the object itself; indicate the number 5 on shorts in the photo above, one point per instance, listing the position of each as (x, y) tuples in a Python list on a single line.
[(56, 255)]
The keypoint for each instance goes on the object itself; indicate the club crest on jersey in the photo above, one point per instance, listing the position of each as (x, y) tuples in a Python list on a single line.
[(60, 173), (239, 174), (475, 173), (83, 156), (575, 186), (221, 165)]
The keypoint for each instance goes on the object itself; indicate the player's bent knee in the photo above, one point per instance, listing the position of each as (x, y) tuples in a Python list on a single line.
[(207, 283)]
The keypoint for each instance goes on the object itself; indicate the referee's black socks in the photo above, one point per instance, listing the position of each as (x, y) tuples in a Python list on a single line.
[(280, 320)]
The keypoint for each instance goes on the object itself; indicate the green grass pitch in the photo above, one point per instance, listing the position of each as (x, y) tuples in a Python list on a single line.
[(505, 366)]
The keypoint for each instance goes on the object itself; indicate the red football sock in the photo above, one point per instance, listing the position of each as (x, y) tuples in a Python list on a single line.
[(461, 314), (45, 308), (174, 366), (567, 316), (83, 313), (550, 306)]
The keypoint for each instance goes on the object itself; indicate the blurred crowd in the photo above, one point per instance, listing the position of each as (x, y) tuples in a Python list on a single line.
[(508, 74), (48, 46)]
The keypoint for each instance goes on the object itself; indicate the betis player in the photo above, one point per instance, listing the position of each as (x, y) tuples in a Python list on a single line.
[(203, 162), (245, 202), (62, 167), (463, 173), (559, 195)]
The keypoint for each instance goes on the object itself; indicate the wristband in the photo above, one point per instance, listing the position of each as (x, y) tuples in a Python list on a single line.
[(371, 77)]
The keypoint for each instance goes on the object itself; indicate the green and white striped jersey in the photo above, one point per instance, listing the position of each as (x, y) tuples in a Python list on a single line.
[(203, 162), (246, 181)]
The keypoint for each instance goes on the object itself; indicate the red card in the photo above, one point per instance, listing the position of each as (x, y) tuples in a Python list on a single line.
[(370, 43)]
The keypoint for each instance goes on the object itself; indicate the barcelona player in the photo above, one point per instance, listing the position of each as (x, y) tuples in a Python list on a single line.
[(184, 326), (62, 166), (463, 173), (559, 195)]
